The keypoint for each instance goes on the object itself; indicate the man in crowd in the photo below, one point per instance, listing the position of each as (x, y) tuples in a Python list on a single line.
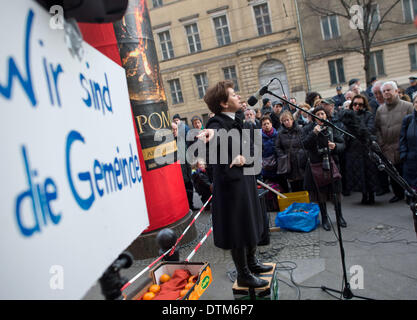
[(291, 108), (277, 108), (339, 98), (177, 120), (266, 108), (378, 98), (388, 121), (410, 91), (368, 90)]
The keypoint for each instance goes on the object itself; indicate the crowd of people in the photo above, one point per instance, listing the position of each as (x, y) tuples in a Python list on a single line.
[(302, 149), (300, 152)]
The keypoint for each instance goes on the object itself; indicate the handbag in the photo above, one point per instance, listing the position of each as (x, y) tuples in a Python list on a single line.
[(284, 164), (323, 177), (269, 163)]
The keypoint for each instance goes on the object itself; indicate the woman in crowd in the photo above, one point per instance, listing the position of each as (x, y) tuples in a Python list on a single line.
[(312, 97), (302, 117), (363, 173), (408, 147), (269, 159), (197, 123), (317, 180), (290, 149)]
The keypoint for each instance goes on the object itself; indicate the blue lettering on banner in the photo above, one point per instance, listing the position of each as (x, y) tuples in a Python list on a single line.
[(97, 95), (110, 172), (40, 197), (13, 71), (35, 206)]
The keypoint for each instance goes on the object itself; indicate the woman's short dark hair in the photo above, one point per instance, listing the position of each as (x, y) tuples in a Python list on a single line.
[(311, 96), (321, 108), (366, 105), (218, 94), (264, 118)]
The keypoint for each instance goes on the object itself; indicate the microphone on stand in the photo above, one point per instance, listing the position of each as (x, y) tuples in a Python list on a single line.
[(256, 96)]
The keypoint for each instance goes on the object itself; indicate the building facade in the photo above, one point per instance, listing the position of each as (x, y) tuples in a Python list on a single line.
[(325, 36), (248, 41)]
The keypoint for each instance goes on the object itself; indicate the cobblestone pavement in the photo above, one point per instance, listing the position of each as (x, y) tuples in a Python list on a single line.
[(380, 239)]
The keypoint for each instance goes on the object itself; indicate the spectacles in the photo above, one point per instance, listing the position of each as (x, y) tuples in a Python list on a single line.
[(358, 104)]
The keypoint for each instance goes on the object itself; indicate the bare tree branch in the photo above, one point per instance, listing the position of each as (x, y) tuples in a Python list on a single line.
[(381, 20)]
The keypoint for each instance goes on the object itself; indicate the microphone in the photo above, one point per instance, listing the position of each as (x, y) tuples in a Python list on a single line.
[(254, 99)]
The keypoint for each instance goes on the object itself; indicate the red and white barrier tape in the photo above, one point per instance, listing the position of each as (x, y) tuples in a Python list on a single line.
[(199, 245), (172, 250), (189, 226)]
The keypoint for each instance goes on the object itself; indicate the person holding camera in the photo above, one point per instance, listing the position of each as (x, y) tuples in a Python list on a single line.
[(323, 145)]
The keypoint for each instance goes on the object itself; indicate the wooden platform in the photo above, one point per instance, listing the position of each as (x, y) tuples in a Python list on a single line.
[(256, 292)]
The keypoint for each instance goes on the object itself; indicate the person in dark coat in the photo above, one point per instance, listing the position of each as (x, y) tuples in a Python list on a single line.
[(315, 140), (362, 173), (201, 180), (411, 90), (178, 132), (408, 147), (269, 157), (277, 108), (289, 143), (236, 209)]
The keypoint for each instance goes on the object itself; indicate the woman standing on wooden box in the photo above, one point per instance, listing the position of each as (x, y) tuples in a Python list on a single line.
[(236, 210)]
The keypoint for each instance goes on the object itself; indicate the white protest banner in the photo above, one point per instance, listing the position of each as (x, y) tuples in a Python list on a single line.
[(71, 187)]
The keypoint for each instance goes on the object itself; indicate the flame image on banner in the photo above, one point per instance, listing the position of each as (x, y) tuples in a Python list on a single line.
[(139, 58)]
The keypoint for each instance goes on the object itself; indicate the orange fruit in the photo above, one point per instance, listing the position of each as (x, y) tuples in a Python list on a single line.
[(189, 285), (154, 288), (183, 292), (148, 296), (164, 278)]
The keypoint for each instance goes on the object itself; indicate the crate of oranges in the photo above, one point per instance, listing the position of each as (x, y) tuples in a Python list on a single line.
[(177, 281)]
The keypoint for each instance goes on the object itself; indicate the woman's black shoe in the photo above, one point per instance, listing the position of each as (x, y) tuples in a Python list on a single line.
[(365, 199), (325, 224)]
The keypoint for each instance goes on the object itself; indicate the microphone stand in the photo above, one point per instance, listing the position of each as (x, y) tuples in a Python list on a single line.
[(347, 293)]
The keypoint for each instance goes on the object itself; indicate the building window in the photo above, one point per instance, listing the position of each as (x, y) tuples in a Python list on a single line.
[(409, 10), (230, 74), (330, 27), (166, 45), (376, 64), (202, 84), (337, 72), (222, 30), (157, 3), (193, 37), (176, 93), (263, 22), (412, 48)]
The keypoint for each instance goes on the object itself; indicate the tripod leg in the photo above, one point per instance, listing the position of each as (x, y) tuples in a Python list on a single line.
[(339, 216)]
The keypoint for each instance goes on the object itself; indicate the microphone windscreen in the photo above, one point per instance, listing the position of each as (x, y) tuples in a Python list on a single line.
[(252, 101)]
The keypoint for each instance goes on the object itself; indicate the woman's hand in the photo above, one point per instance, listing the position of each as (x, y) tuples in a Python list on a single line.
[(239, 161), (317, 129), (206, 135), (332, 145)]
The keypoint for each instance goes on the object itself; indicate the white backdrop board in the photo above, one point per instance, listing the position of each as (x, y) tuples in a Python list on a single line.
[(71, 187)]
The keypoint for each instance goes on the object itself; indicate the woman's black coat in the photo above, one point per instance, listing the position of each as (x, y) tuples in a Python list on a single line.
[(408, 148), (313, 143), (236, 210), (361, 171), (289, 142)]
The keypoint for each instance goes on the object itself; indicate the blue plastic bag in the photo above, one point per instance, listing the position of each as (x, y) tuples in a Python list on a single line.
[(299, 217)]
